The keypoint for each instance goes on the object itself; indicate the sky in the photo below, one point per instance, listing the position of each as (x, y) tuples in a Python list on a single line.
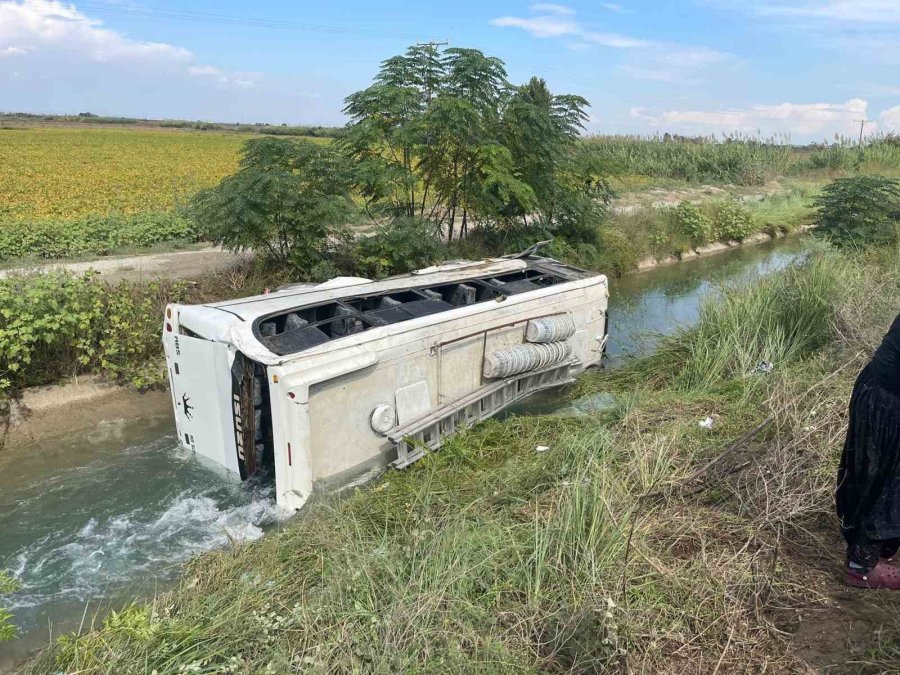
[(804, 70)]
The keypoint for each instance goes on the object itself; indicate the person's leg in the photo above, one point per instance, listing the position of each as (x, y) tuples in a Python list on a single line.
[(862, 553), (866, 568), (889, 548)]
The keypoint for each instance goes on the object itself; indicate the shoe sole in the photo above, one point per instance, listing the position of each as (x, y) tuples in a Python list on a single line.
[(862, 583)]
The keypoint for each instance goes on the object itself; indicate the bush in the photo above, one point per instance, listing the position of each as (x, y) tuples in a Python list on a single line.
[(732, 221), (91, 235), (404, 244), (859, 210), (56, 325), (290, 201), (693, 222)]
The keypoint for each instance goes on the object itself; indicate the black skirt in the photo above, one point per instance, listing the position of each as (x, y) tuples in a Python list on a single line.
[(868, 491)]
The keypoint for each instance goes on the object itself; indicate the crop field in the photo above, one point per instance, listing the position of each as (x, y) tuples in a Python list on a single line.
[(70, 173)]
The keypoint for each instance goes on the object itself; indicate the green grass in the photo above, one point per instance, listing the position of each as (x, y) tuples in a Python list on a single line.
[(737, 160), (490, 557)]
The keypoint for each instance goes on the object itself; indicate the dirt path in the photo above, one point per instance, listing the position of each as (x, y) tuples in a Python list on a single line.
[(175, 265)]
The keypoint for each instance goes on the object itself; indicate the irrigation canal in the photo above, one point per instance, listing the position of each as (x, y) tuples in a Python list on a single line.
[(92, 523)]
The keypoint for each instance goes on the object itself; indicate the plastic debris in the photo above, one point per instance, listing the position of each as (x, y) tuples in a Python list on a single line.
[(706, 423), (587, 405), (542, 448), (764, 367)]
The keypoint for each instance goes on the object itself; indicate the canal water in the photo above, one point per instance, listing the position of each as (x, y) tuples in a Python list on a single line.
[(88, 524)]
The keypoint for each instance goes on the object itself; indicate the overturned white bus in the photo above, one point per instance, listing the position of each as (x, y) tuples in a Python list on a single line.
[(324, 382)]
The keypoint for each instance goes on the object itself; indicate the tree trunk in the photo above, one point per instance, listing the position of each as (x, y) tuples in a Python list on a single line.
[(452, 222)]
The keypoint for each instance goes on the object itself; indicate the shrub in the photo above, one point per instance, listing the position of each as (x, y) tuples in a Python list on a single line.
[(693, 222), (732, 221), (91, 235), (289, 200), (400, 246), (859, 210), (58, 324)]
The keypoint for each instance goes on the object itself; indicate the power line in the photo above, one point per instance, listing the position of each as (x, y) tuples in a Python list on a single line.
[(232, 20)]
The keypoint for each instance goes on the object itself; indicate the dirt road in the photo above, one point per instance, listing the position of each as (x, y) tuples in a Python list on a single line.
[(175, 265)]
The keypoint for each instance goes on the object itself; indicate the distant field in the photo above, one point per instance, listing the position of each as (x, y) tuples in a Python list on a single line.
[(67, 173)]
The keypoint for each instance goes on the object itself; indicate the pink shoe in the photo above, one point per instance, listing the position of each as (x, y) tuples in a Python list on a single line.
[(882, 576)]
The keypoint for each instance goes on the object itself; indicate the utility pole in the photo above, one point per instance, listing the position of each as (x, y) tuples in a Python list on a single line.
[(431, 45), (862, 125)]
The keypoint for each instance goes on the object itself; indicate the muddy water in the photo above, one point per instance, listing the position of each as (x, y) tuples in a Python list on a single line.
[(92, 522)]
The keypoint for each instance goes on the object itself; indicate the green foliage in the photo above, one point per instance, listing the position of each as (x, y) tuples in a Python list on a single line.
[(732, 221), (443, 136), (836, 157), (859, 211), (738, 160), (289, 199), (92, 235), (398, 247), (56, 325), (693, 222), (7, 629)]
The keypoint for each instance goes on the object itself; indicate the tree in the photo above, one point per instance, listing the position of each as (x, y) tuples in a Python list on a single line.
[(463, 162), (540, 129), (386, 130), (290, 199), (445, 136), (859, 210)]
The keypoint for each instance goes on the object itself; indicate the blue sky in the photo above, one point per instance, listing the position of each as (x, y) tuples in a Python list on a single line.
[(804, 68)]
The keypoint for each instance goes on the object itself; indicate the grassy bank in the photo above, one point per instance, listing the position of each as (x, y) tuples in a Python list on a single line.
[(612, 551)]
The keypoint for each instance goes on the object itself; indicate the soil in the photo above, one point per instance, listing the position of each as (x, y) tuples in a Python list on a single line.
[(665, 197), (175, 265), (839, 636)]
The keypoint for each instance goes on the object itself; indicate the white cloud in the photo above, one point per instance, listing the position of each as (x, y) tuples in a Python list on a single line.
[(54, 30), (858, 11), (37, 24), (673, 64), (613, 7), (552, 8), (615, 40), (804, 119), (539, 26), (890, 119), (556, 22)]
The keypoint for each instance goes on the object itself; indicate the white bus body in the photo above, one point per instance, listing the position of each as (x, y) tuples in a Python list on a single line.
[(325, 382)]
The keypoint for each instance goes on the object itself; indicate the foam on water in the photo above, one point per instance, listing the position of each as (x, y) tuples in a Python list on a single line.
[(108, 552), (116, 526)]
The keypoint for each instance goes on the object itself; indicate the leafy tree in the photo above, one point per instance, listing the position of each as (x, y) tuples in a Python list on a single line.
[(445, 136), (386, 130), (859, 210), (540, 130), (289, 199), (470, 170)]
